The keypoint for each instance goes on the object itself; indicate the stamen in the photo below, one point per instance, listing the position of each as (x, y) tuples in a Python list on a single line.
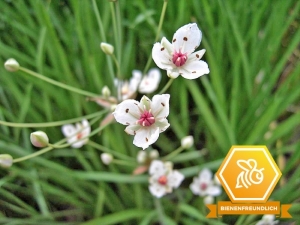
[(179, 58), (146, 119), (203, 186)]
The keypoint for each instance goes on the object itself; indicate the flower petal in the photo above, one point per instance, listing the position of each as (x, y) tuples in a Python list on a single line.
[(161, 57), (205, 176), (157, 167), (195, 187), (131, 129), (157, 190), (162, 124), (68, 130), (175, 178), (146, 136), (196, 55), (214, 190), (187, 38), (194, 69), (160, 106), (127, 112), (150, 82)]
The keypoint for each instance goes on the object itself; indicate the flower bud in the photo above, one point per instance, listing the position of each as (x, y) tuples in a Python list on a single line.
[(11, 65), (187, 142), (141, 157), (154, 154), (39, 139), (6, 160), (105, 92), (172, 75), (208, 200), (106, 158), (107, 48)]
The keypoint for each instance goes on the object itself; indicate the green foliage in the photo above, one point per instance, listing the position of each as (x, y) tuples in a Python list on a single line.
[(251, 96)]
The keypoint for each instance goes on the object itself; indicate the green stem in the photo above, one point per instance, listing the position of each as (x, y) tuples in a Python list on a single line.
[(161, 20), (117, 65), (123, 163), (103, 38), (107, 150), (173, 154), (166, 86), (160, 211), (59, 143), (53, 124), (56, 83)]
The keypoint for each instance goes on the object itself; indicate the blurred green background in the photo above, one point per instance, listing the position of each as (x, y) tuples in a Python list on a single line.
[(251, 96)]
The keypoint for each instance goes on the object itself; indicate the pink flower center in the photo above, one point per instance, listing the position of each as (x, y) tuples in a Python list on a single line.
[(146, 119), (79, 136), (179, 58), (203, 186), (162, 180)]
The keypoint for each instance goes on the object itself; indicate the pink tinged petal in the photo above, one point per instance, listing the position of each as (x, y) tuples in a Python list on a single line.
[(197, 55), (214, 190), (194, 69), (157, 167), (175, 178), (161, 57), (157, 190), (146, 136), (187, 38), (127, 112), (160, 105)]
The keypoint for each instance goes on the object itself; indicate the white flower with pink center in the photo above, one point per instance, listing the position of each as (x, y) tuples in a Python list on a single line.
[(77, 135), (204, 184), (145, 119), (163, 178), (179, 57)]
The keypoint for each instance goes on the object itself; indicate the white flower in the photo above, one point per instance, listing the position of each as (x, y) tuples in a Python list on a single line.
[(128, 89), (106, 158), (203, 185), (187, 142), (208, 200), (150, 81), (39, 139), (267, 220), (77, 135), (153, 154), (179, 57), (163, 178), (144, 119)]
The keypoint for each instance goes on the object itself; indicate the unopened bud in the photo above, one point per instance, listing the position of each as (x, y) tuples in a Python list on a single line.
[(154, 154), (187, 142), (172, 75), (208, 200), (141, 157), (107, 48), (105, 92), (6, 160), (11, 65), (106, 158), (39, 139)]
